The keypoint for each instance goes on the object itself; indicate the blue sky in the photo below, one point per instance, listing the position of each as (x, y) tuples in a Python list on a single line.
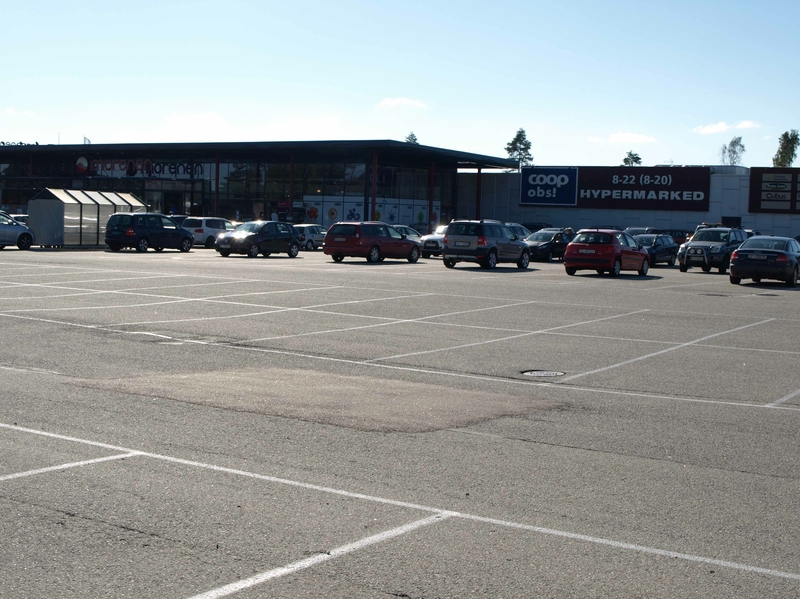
[(588, 81)]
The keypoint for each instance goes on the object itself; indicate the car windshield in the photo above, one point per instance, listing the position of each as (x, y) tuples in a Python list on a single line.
[(592, 238), (710, 235), (540, 236), (441, 230), (251, 227), (645, 239), (755, 243)]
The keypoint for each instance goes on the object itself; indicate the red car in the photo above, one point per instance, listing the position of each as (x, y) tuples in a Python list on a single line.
[(371, 240), (605, 250)]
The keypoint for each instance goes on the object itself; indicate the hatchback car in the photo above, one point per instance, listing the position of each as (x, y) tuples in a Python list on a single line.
[(487, 242), (521, 230), (259, 237), (373, 240), (409, 232), (548, 244), (206, 230), (710, 247), (660, 248), (13, 232), (762, 257), (145, 230), (311, 235), (432, 243), (605, 250)]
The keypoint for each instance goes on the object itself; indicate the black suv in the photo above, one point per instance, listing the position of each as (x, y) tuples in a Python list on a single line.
[(259, 237), (144, 230), (486, 242), (710, 247)]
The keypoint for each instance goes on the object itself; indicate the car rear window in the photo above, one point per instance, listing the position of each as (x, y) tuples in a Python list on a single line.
[(465, 229), (764, 244), (343, 230), (192, 222), (121, 220), (592, 238)]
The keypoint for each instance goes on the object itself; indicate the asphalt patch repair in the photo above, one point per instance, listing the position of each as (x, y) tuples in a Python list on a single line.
[(362, 403)]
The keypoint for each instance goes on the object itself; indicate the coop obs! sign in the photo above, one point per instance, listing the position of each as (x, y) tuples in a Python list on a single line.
[(630, 188)]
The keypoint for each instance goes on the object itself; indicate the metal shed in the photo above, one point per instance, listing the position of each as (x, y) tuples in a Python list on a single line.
[(75, 217)]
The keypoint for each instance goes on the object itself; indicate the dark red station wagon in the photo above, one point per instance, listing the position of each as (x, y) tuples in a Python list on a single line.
[(371, 240)]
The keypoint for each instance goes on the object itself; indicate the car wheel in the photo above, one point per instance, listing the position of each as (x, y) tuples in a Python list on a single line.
[(186, 244), (684, 268), (224, 253), (756, 280), (571, 271), (491, 261), (337, 257), (310, 245), (414, 255), (25, 242), (616, 269), (549, 257), (524, 261), (706, 268), (645, 267), (210, 242), (252, 250), (735, 280), (114, 247), (449, 262), (142, 245), (724, 268), (159, 249), (2, 247), (671, 261), (792, 281), (426, 254), (600, 271), (374, 254)]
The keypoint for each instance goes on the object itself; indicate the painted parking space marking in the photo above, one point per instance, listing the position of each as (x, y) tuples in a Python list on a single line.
[(252, 581), (60, 467), (663, 351), (783, 399), (438, 514)]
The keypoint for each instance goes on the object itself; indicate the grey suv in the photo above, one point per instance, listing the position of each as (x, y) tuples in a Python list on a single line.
[(710, 247), (486, 242)]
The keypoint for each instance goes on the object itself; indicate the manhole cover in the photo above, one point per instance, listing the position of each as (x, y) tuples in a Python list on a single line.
[(542, 373)]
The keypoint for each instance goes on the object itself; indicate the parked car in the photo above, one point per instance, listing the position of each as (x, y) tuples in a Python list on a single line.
[(13, 232), (409, 232), (178, 218), (259, 237), (605, 250), (750, 232), (145, 230), (432, 243), (679, 235), (311, 235), (659, 247), (20, 218), (609, 227), (373, 240), (710, 247), (634, 231), (548, 244), (766, 257), (521, 230), (206, 230), (487, 242), (533, 227)]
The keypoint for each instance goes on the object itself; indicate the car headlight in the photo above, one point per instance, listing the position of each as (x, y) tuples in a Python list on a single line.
[(715, 250)]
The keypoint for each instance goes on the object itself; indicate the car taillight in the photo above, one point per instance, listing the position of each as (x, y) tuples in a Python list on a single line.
[(735, 254), (302, 237), (198, 231), (444, 240), (130, 232), (482, 241), (781, 258)]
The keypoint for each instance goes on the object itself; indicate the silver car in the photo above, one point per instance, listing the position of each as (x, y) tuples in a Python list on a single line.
[(311, 235), (433, 242), (13, 232)]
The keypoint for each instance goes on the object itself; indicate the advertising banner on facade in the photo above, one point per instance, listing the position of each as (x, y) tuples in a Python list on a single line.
[(625, 187), (775, 190)]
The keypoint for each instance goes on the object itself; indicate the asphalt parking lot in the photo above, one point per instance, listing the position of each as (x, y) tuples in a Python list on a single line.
[(190, 426)]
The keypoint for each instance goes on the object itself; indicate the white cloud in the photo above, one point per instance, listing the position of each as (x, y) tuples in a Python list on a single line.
[(395, 102), (10, 111), (623, 138), (722, 126)]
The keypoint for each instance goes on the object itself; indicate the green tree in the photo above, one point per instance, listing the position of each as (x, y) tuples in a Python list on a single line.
[(519, 149), (411, 138), (632, 159), (731, 153), (787, 149)]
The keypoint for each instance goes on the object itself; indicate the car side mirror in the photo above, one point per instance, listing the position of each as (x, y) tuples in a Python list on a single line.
[(640, 246)]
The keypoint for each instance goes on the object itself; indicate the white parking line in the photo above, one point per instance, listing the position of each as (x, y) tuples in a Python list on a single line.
[(235, 587), (130, 454), (783, 399), (438, 513), (663, 351)]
